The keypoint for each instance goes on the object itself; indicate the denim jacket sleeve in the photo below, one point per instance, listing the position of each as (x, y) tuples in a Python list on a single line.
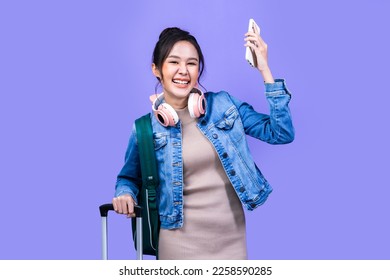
[(275, 128), (129, 178)]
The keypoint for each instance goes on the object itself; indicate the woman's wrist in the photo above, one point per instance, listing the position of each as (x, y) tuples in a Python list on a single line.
[(267, 75)]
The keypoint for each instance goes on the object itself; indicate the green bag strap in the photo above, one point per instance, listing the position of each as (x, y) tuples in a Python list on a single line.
[(150, 181), (146, 152)]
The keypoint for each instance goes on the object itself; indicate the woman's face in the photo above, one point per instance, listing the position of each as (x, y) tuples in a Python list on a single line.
[(179, 73)]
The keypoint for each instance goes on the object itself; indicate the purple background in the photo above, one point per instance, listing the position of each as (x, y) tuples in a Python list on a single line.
[(75, 74)]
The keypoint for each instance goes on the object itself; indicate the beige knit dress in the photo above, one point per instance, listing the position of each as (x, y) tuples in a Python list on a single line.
[(214, 221)]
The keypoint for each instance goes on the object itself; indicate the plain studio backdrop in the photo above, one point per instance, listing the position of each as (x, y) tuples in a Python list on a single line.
[(74, 75)]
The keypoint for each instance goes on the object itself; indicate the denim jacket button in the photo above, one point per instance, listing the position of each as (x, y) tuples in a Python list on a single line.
[(225, 155), (203, 122), (242, 189), (253, 205), (215, 136), (233, 172)]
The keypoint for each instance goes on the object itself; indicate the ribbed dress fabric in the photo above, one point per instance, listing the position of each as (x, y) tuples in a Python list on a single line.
[(214, 221)]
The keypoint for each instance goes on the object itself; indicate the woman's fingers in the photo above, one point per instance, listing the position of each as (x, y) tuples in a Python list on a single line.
[(251, 45), (116, 205), (257, 47), (124, 205), (130, 208), (255, 39)]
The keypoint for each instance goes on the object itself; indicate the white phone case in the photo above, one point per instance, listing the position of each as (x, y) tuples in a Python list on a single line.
[(250, 55)]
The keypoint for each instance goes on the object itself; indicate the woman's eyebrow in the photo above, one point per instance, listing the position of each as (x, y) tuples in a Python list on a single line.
[(178, 57)]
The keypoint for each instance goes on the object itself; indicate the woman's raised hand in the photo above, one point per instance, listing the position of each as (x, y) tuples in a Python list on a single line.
[(257, 44)]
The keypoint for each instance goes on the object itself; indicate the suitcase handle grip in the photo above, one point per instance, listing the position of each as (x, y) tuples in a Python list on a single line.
[(105, 208)]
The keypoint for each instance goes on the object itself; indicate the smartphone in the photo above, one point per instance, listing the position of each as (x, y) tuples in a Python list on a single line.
[(250, 55)]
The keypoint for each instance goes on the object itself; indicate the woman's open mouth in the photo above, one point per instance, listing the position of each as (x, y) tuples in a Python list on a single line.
[(181, 82)]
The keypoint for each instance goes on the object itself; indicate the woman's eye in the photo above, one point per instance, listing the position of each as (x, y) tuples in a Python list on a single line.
[(173, 62)]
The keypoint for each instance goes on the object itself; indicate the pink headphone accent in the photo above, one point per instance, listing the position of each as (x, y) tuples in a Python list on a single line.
[(167, 116)]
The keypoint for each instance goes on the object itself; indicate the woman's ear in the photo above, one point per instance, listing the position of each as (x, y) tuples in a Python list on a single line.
[(156, 72)]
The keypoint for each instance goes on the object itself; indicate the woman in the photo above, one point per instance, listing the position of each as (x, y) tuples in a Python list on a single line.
[(205, 167)]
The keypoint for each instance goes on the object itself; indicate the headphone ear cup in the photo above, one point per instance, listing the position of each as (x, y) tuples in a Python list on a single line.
[(196, 105), (166, 115)]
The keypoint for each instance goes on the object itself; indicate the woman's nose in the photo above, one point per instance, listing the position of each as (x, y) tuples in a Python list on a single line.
[(183, 69)]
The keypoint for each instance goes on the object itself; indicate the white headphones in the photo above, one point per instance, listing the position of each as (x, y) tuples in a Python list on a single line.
[(167, 116)]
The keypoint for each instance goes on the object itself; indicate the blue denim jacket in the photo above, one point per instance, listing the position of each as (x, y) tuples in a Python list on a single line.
[(224, 124)]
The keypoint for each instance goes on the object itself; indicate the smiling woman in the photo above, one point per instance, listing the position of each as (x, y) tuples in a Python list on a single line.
[(178, 74), (206, 172)]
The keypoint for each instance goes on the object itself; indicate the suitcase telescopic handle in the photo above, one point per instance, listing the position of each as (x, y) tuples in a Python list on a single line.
[(105, 208)]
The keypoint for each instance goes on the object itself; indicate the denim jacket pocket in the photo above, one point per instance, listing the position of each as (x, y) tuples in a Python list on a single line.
[(231, 124), (228, 120), (160, 140)]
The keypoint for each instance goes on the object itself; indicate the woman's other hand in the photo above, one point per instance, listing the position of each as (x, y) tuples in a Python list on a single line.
[(124, 204)]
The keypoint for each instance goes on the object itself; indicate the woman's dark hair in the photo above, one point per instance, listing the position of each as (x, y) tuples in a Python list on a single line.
[(167, 39)]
